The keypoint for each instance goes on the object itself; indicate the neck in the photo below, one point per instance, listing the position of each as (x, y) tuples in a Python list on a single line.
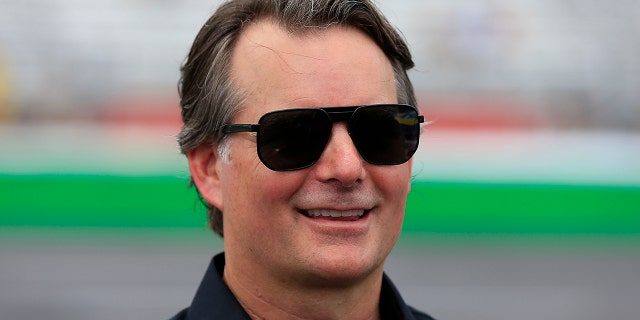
[(264, 299)]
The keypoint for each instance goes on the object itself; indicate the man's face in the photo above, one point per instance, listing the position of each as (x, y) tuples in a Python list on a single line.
[(265, 225)]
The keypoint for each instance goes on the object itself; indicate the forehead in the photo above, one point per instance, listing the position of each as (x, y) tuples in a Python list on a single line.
[(335, 66)]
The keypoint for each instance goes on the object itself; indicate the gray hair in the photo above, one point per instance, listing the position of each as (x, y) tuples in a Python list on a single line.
[(208, 97)]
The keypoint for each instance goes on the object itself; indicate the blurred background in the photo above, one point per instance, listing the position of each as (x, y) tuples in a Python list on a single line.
[(526, 198)]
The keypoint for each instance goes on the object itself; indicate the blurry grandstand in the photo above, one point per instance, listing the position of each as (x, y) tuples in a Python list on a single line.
[(543, 64)]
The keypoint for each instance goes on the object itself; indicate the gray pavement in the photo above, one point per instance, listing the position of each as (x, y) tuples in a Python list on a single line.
[(149, 276)]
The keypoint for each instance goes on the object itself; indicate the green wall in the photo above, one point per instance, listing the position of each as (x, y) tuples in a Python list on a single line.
[(432, 208)]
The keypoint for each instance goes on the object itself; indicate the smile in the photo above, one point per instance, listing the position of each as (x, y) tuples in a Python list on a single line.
[(334, 213)]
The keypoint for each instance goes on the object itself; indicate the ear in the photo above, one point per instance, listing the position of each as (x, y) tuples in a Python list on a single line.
[(204, 163)]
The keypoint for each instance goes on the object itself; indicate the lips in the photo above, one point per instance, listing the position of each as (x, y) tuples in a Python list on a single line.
[(337, 215), (334, 213)]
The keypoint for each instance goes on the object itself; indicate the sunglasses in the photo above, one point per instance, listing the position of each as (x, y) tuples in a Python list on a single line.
[(294, 139)]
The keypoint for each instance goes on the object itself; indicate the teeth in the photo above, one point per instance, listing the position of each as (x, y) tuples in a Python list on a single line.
[(335, 213)]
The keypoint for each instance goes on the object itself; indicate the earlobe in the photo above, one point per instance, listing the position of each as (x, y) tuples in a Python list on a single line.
[(203, 164)]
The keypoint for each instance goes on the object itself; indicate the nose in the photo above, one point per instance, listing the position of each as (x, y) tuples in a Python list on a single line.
[(340, 160)]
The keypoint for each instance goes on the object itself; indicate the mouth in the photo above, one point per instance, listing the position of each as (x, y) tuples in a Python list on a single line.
[(336, 215)]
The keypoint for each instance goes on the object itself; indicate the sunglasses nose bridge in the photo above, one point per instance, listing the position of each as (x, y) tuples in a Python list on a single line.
[(340, 159), (339, 116)]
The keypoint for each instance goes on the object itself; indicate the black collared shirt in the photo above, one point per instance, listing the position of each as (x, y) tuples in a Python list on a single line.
[(214, 300)]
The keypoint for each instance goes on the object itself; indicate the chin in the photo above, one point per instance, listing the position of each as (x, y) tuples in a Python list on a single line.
[(339, 271)]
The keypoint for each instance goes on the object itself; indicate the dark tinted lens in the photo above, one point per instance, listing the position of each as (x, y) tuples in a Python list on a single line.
[(292, 139), (386, 135)]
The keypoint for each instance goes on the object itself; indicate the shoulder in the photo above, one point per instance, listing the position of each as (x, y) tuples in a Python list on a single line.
[(392, 306), (182, 315), (419, 315)]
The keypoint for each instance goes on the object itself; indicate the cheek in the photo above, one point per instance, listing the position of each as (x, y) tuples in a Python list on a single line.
[(251, 187), (257, 207), (394, 185), (394, 182)]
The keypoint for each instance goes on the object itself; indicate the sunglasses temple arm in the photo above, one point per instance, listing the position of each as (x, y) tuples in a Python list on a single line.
[(233, 128)]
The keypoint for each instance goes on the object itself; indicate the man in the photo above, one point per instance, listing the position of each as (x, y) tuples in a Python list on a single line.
[(299, 127)]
